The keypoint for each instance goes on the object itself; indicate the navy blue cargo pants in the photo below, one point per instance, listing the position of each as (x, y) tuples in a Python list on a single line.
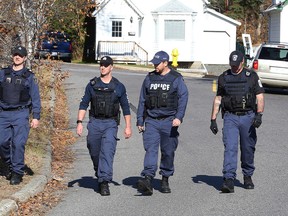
[(14, 131), (159, 133), (101, 143), (237, 128)]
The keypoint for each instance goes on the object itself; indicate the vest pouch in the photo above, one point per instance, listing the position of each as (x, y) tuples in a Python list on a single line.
[(11, 93), (226, 103), (24, 95), (118, 116), (251, 101), (151, 101), (237, 102), (163, 99), (98, 107)]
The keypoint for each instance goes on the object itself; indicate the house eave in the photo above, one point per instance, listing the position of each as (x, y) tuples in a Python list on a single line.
[(235, 22), (128, 2), (135, 9), (276, 7)]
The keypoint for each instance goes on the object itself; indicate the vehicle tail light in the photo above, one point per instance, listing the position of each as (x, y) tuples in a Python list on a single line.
[(255, 65), (70, 47)]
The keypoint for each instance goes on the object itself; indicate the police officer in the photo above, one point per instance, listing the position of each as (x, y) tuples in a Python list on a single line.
[(105, 94), (240, 95), (19, 94), (162, 104)]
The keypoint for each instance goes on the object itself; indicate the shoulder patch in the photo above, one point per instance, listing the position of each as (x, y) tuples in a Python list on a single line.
[(248, 73), (93, 81), (260, 83), (151, 73), (30, 71)]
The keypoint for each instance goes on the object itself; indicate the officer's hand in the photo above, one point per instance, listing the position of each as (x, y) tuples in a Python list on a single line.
[(176, 122), (257, 121), (79, 129), (141, 129), (213, 126), (127, 132), (34, 123)]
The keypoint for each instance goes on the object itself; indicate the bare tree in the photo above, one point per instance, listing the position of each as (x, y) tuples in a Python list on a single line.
[(21, 21)]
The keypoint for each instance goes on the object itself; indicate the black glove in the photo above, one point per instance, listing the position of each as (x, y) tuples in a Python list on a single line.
[(257, 121), (213, 126)]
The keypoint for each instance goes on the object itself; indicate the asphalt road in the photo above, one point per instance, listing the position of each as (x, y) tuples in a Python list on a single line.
[(198, 176)]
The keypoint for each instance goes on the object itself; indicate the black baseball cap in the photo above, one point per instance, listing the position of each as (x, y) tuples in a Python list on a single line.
[(235, 58), (20, 50), (106, 61)]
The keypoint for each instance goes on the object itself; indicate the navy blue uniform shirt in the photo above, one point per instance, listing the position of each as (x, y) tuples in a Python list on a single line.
[(120, 91), (178, 113), (32, 84)]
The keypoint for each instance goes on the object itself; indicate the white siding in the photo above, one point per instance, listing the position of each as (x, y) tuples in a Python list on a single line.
[(274, 27), (284, 24)]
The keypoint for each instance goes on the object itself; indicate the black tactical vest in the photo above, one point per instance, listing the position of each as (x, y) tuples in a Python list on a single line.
[(104, 103), (13, 90), (160, 93), (239, 94)]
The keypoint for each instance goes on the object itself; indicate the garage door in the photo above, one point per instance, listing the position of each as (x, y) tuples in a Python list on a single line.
[(216, 48)]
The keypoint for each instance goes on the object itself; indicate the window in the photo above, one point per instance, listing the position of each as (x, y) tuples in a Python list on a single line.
[(175, 29), (271, 53), (116, 28)]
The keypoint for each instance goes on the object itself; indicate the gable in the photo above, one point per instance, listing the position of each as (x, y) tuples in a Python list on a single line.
[(128, 2), (173, 6)]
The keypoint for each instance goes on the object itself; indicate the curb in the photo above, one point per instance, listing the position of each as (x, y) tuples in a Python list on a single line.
[(36, 185)]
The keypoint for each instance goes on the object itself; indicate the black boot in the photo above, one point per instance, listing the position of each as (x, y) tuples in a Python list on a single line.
[(248, 183), (228, 186), (104, 188), (15, 178), (165, 185), (8, 175), (144, 185), (6, 170)]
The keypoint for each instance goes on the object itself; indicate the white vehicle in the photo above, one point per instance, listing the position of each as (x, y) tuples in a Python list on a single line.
[(271, 64)]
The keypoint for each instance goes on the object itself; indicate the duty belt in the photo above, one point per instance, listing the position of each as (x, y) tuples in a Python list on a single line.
[(14, 108), (240, 113), (160, 117)]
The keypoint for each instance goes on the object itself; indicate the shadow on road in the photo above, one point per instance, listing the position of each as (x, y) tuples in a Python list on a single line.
[(214, 181), (85, 182), (132, 181), (88, 182)]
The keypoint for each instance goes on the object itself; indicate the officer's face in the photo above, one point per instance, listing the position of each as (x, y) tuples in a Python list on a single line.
[(160, 67), (237, 69), (18, 59), (105, 69)]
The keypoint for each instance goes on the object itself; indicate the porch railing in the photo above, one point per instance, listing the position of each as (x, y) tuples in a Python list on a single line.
[(123, 51)]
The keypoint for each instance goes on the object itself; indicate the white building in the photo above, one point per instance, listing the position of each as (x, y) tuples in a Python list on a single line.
[(138, 29), (278, 16)]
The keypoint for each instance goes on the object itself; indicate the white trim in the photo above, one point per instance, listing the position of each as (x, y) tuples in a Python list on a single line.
[(222, 16)]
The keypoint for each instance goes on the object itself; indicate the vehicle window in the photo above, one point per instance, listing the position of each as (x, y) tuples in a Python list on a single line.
[(272, 53)]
